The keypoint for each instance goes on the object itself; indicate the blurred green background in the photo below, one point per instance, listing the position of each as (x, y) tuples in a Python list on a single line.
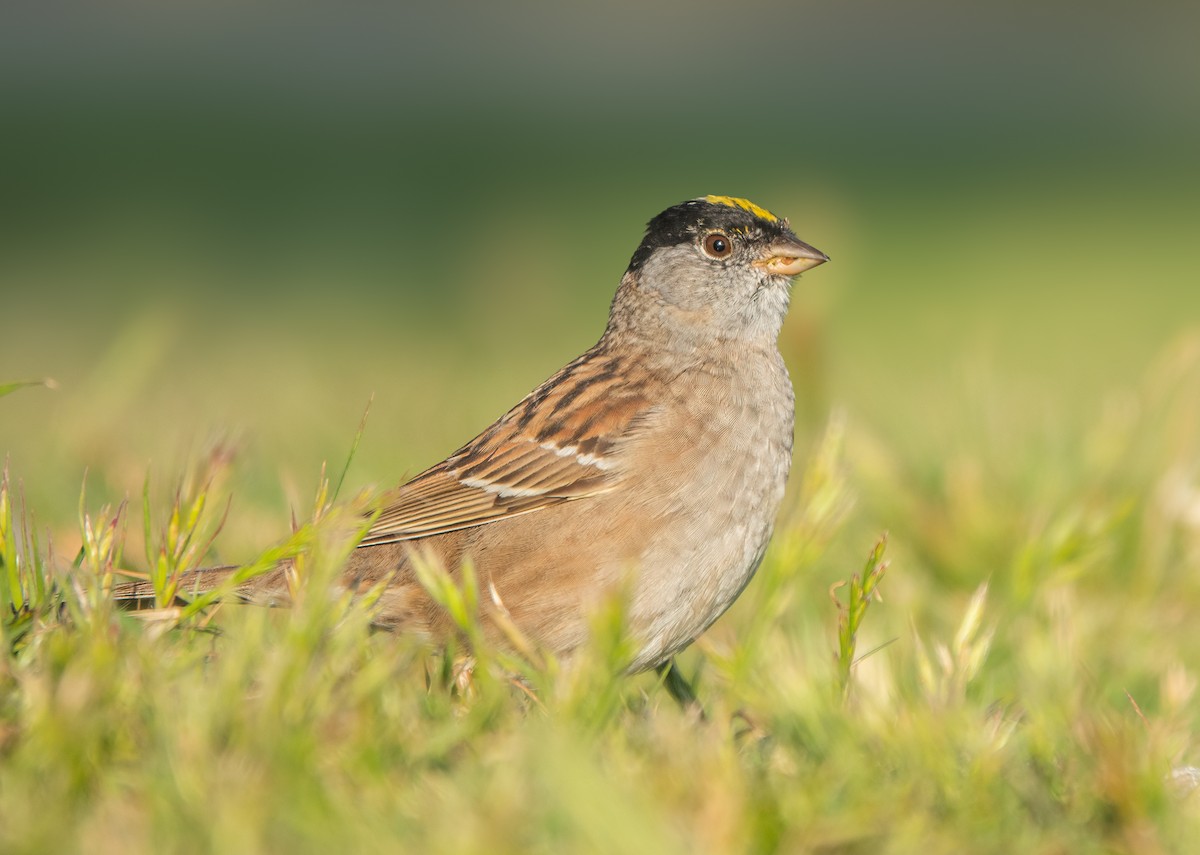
[(244, 220)]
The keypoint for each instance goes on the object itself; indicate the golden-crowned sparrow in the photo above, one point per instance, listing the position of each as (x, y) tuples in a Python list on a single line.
[(656, 460)]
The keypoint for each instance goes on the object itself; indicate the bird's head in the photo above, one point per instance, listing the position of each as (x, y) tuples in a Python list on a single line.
[(717, 266)]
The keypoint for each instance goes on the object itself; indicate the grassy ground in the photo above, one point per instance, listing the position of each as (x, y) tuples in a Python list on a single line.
[(1017, 408)]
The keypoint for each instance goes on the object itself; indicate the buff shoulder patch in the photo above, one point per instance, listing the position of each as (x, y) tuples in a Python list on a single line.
[(745, 205)]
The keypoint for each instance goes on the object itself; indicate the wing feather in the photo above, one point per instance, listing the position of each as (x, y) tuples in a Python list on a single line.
[(561, 443)]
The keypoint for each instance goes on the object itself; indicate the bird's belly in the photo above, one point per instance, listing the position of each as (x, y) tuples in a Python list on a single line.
[(712, 543)]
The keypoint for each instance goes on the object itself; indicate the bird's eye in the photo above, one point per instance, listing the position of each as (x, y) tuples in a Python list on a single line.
[(718, 245)]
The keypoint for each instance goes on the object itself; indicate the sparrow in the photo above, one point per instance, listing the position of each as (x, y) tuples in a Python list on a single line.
[(653, 464)]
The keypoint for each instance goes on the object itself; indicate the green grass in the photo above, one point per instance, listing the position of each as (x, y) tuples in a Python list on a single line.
[(1043, 713), (1022, 679)]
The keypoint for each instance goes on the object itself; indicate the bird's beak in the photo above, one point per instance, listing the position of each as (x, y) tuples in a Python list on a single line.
[(790, 256)]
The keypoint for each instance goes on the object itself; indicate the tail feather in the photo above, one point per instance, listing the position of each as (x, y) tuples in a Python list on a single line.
[(135, 596)]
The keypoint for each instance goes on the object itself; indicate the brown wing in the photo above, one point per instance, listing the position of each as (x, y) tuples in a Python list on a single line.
[(562, 442)]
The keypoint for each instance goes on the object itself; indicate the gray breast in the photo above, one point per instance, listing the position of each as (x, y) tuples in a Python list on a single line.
[(723, 514)]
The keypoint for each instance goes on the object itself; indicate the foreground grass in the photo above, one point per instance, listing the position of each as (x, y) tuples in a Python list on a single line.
[(1025, 684)]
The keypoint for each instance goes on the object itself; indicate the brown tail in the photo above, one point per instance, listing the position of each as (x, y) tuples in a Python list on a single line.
[(270, 589)]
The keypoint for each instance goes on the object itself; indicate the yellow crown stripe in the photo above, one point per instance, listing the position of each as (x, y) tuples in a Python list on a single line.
[(745, 205)]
